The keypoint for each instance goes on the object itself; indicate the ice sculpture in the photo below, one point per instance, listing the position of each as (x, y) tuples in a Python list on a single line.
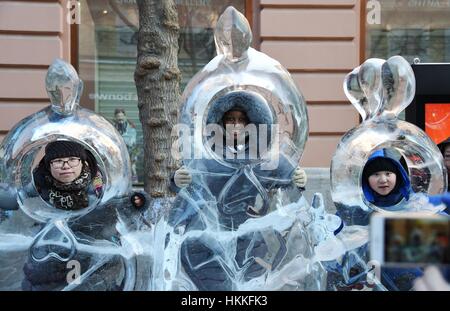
[(241, 224), (87, 245), (246, 79), (380, 90)]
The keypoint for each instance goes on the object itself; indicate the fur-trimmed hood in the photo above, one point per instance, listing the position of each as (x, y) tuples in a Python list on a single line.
[(256, 109)]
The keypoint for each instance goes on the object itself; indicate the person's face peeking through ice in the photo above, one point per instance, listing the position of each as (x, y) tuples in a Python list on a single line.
[(234, 122), (447, 157), (67, 175), (382, 182), (66, 170), (385, 181)]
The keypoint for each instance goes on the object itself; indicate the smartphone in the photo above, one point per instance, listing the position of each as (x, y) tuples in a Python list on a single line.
[(414, 240)]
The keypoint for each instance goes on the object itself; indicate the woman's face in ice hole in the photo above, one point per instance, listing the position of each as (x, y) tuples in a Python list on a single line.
[(66, 170), (234, 122), (382, 182)]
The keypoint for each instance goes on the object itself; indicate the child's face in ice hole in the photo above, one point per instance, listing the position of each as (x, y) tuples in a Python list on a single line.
[(66, 170), (234, 122), (382, 182)]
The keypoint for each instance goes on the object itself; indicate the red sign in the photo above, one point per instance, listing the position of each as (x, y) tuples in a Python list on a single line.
[(437, 121)]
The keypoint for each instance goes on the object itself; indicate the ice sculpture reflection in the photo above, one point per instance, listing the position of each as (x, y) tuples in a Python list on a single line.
[(241, 224), (46, 242)]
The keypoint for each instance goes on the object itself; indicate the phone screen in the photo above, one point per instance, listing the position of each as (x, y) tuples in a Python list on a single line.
[(416, 241)]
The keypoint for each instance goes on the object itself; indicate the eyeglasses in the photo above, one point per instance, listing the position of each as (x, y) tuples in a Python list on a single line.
[(72, 162)]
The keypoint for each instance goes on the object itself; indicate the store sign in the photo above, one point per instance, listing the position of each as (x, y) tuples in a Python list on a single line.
[(373, 12), (73, 12), (114, 96)]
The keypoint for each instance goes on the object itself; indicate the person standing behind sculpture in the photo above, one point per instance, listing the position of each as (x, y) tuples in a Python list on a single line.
[(127, 129), (445, 150)]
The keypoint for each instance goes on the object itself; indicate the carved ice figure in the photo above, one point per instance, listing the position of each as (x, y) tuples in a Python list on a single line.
[(51, 241), (240, 224), (380, 90)]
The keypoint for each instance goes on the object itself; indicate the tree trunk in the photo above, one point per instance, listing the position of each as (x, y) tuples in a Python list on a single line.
[(157, 80)]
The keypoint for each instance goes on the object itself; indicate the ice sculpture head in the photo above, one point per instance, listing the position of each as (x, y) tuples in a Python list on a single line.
[(233, 35), (22, 151), (63, 87), (24, 148), (241, 77), (380, 87)]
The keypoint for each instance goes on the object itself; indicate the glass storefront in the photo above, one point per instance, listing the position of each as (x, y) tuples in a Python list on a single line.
[(411, 28), (107, 58)]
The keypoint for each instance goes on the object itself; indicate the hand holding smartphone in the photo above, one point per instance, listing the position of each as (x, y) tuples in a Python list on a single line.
[(409, 240)]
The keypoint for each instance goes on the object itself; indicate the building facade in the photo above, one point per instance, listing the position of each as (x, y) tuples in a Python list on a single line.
[(318, 41)]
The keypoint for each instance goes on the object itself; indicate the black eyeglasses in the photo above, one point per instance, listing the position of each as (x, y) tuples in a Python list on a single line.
[(59, 163)]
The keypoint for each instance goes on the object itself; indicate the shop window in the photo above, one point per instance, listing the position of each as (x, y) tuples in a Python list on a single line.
[(412, 29)]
